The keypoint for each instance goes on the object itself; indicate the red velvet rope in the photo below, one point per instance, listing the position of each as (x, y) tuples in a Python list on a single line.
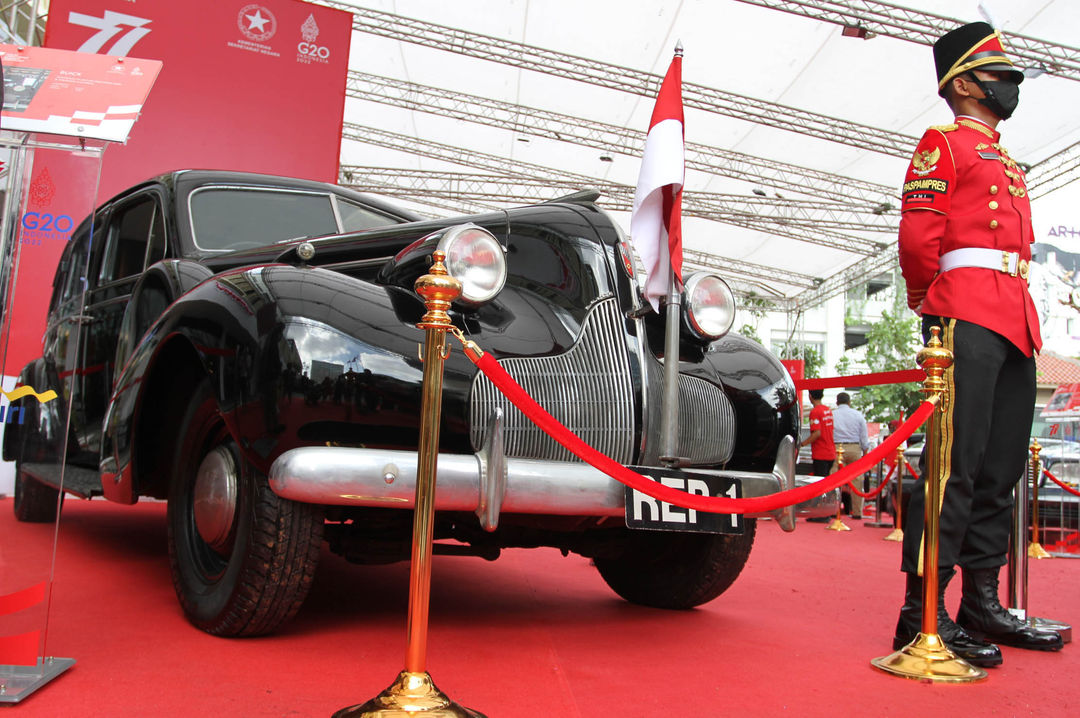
[(1058, 481), (911, 468), (874, 492), (881, 377), (715, 504)]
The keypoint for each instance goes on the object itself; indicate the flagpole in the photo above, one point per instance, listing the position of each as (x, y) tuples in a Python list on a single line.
[(669, 416)]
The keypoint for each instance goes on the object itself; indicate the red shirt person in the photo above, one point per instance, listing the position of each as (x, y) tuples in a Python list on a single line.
[(822, 448)]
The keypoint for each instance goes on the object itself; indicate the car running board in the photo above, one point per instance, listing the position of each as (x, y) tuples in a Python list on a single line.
[(82, 482)]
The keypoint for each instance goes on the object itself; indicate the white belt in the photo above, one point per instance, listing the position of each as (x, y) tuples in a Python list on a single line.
[(997, 259)]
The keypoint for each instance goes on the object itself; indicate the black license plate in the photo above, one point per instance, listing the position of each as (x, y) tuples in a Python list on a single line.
[(645, 512)]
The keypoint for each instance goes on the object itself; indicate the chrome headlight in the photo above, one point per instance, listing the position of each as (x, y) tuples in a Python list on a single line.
[(709, 306), (475, 258)]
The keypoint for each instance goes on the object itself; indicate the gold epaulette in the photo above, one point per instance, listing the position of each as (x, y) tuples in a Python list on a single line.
[(945, 128)]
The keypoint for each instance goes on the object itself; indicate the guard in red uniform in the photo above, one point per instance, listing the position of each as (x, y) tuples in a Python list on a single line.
[(965, 244)]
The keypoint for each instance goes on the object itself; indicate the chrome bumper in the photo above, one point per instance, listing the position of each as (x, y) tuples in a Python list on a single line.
[(488, 483)]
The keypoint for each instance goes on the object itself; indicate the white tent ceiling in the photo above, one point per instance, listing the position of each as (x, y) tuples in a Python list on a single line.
[(459, 103)]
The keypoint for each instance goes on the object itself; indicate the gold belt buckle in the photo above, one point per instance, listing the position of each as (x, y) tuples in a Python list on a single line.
[(1024, 269), (1006, 264)]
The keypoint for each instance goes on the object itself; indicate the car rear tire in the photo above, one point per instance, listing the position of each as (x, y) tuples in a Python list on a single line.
[(35, 502), (677, 570), (242, 558)]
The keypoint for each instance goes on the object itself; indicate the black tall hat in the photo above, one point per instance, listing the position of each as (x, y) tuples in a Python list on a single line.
[(975, 45)]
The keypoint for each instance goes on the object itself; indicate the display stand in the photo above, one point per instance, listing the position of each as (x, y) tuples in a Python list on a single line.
[(61, 110)]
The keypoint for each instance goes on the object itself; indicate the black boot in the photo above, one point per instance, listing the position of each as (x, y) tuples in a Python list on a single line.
[(982, 614), (972, 650)]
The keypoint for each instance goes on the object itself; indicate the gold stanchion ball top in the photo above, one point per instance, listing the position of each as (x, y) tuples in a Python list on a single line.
[(934, 355), (934, 359), (1035, 447), (437, 285), (438, 290)]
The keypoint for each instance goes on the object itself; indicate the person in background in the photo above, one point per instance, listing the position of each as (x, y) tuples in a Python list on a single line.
[(822, 448), (965, 243), (850, 434)]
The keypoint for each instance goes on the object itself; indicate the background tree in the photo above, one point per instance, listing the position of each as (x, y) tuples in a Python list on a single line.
[(891, 345), (757, 307)]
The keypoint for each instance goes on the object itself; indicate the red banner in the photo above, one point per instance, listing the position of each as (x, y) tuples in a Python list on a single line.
[(255, 86)]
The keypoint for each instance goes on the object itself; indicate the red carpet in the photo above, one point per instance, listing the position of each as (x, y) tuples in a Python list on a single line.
[(532, 634)]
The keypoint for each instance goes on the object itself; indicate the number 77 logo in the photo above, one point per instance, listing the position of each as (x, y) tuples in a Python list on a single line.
[(107, 27)]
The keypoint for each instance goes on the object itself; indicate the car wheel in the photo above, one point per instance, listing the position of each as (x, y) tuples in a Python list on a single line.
[(677, 570), (35, 502), (242, 558)]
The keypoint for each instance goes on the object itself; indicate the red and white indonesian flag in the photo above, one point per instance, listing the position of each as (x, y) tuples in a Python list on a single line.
[(656, 222)]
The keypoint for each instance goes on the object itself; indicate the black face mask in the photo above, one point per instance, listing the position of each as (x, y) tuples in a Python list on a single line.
[(1001, 96)]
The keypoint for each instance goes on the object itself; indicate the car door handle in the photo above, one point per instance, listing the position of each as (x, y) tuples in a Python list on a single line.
[(82, 318)]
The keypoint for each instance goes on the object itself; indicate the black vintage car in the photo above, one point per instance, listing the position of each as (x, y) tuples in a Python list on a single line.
[(245, 347)]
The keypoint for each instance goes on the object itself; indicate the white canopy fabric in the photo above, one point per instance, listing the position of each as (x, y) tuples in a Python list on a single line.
[(792, 234)]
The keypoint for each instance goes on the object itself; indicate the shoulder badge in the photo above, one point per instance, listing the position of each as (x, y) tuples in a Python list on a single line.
[(923, 162), (945, 128)]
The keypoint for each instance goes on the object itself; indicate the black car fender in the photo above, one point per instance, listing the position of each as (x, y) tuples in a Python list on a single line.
[(296, 356), (762, 395), (157, 288)]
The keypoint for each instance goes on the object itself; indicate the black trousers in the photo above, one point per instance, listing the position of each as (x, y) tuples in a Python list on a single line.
[(992, 385)]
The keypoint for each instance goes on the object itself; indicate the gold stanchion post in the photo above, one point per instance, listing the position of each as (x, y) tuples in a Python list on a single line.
[(414, 693), (1035, 549), (927, 657), (837, 524), (897, 534)]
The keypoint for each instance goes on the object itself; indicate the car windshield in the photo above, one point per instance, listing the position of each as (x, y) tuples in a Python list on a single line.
[(237, 217)]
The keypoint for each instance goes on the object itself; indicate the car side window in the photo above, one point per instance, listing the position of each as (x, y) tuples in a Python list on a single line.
[(71, 275), (355, 217), (135, 233)]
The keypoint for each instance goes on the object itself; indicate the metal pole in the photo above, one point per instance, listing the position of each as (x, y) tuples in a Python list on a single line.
[(414, 692), (897, 534), (1035, 549), (927, 657), (669, 416)]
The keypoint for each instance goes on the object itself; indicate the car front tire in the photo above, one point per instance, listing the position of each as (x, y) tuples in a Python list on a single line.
[(676, 570), (242, 558)]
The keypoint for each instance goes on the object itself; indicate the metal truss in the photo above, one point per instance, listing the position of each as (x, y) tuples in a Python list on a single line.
[(862, 271), (805, 214), (800, 220), (625, 79), (1054, 172), (22, 22), (881, 18), (862, 195), (488, 194)]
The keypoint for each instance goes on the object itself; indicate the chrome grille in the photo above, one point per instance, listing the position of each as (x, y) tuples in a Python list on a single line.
[(706, 419), (587, 388)]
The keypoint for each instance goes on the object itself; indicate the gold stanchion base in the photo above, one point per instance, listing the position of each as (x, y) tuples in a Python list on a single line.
[(412, 694), (927, 658), (837, 524), (895, 535), (1035, 550)]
